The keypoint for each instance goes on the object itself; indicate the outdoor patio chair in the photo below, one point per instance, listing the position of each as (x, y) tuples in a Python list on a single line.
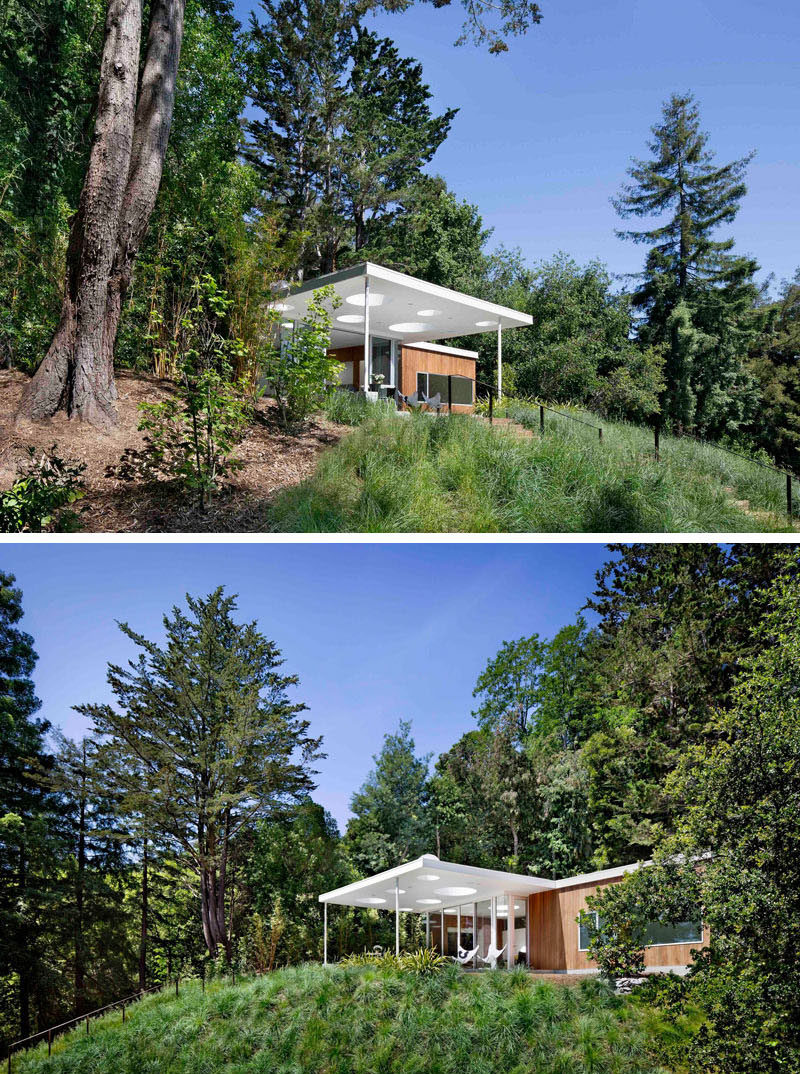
[(414, 401), (435, 402), (492, 955), (463, 957)]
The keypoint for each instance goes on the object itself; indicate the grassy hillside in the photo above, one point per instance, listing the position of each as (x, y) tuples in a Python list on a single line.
[(354, 1020), (458, 474)]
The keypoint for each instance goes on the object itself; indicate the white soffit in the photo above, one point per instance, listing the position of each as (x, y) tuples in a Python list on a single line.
[(428, 885), (401, 307)]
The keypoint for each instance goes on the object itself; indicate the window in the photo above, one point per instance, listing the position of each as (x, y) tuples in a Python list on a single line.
[(683, 932), (589, 922), (657, 933), (433, 383), (382, 360)]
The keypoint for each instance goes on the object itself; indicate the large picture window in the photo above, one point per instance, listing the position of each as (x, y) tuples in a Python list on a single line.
[(657, 934), (436, 383)]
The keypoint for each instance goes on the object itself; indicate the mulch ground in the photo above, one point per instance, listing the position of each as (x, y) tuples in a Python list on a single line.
[(114, 503)]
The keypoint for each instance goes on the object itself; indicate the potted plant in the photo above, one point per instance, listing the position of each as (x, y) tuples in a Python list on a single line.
[(375, 384)]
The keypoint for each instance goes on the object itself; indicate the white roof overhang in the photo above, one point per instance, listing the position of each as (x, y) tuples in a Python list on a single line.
[(401, 307), (428, 884)]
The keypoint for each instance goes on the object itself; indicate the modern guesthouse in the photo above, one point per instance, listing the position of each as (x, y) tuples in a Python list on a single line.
[(507, 919), (388, 329)]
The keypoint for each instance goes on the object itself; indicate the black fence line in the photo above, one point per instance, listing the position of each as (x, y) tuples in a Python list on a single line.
[(49, 1034)]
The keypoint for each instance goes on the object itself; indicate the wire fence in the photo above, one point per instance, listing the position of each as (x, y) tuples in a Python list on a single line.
[(656, 429), (86, 1018)]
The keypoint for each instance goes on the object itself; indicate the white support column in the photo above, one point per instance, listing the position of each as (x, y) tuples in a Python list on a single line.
[(367, 347), (427, 929), (475, 941), (493, 941), (397, 917), (458, 929), (499, 360), (324, 934), (443, 934)]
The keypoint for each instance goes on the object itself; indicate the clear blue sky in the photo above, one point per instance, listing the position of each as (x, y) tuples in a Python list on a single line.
[(546, 131), (377, 633)]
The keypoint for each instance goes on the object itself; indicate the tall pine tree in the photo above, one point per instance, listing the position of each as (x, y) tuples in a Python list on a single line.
[(687, 268)]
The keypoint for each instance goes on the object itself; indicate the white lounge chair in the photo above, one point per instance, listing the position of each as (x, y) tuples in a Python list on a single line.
[(492, 955), (463, 956)]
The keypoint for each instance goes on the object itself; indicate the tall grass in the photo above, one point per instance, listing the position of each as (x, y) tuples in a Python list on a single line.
[(352, 1020), (458, 474)]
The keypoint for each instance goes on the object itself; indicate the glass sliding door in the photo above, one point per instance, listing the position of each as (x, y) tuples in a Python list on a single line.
[(382, 364), (520, 932), (436, 931), (451, 931), (501, 938), (467, 927), (483, 926)]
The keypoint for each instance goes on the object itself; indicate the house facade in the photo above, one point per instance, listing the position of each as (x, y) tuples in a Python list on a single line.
[(509, 919), (387, 330)]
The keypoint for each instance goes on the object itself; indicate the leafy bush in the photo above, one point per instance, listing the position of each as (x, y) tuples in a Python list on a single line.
[(191, 436), (44, 487), (425, 962), (352, 408), (384, 959), (300, 370)]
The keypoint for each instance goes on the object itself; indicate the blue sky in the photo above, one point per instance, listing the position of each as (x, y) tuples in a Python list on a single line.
[(376, 632), (546, 131)]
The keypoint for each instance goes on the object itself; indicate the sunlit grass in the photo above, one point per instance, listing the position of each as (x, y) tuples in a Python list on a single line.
[(420, 473), (355, 1020)]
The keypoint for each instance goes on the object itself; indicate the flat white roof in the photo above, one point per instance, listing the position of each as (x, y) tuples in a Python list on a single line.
[(400, 307), (428, 884)]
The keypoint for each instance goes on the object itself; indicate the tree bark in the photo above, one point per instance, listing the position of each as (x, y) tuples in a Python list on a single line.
[(143, 933), (80, 957), (117, 200)]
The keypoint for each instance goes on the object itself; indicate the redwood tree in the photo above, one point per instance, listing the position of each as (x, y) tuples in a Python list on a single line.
[(119, 192)]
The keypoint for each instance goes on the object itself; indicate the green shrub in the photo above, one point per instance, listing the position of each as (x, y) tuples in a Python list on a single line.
[(44, 488), (300, 371), (191, 437), (425, 962)]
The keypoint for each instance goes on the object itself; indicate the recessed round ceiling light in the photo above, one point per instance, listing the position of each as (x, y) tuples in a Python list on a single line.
[(375, 299), (372, 902), (427, 876), (502, 913), (400, 891), (454, 893), (351, 318), (410, 326), (406, 909), (428, 313), (283, 307), (287, 324), (428, 902), (486, 324)]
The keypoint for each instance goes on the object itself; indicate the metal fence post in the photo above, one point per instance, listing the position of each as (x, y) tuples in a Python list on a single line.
[(600, 435), (789, 496), (541, 419), (491, 397), (450, 393), (176, 985), (656, 436), (87, 1025), (49, 1042), (123, 1014)]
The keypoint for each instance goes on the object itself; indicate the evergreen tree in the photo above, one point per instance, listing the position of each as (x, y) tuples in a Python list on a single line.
[(204, 726), (26, 844), (390, 822), (706, 385)]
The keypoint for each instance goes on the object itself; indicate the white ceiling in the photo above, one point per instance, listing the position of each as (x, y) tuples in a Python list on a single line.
[(428, 884), (400, 307)]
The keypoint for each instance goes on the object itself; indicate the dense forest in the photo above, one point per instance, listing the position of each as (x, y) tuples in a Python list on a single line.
[(181, 835), (302, 142)]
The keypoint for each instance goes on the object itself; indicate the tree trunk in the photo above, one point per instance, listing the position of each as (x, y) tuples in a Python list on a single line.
[(24, 968), (117, 200), (80, 958), (143, 932)]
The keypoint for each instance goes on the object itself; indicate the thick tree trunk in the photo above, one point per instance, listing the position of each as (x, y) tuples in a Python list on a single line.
[(80, 957), (119, 193), (143, 932)]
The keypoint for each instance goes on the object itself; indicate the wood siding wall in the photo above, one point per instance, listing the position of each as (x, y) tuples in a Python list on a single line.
[(354, 355), (415, 360), (554, 933)]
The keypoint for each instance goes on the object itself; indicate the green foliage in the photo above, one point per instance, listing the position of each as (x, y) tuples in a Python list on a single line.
[(45, 486), (389, 822), (425, 962), (356, 1019), (300, 370), (458, 475), (191, 436), (695, 294)]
